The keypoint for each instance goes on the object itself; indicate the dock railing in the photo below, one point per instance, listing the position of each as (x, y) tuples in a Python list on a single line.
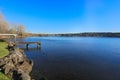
[(14, 35)]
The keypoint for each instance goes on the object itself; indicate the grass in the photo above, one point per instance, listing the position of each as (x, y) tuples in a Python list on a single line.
[(3, 77), (3, 50)]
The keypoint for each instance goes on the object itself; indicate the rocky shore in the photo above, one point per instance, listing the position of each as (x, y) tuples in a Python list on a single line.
[(16, 65)]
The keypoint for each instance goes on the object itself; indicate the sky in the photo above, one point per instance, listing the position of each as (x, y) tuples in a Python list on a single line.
[(63, 16)]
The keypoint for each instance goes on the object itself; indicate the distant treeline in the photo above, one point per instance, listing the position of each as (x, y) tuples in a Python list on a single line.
[(87, 34), (92, 34)]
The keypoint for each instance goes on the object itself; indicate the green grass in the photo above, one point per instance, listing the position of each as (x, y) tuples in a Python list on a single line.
[(3, 77), (3, 50)]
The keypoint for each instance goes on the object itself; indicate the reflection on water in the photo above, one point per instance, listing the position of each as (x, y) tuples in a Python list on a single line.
[(79, 58)]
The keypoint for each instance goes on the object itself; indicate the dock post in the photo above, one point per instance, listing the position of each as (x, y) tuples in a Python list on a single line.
[(27, 46), (38, 45)]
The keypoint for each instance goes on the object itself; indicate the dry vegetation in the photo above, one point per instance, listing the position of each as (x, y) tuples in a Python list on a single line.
[(14, 29)]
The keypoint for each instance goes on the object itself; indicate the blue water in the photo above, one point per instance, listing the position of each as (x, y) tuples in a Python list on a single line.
[(75, 58)]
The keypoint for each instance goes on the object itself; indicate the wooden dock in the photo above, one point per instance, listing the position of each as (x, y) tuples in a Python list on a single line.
[(14, 35), (28, 43)]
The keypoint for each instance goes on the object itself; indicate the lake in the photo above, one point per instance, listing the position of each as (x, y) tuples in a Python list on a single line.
[(75, 58)]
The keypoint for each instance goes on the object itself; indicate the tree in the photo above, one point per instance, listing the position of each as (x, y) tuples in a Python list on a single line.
[(21, 29), (4, 26), (13, 29)]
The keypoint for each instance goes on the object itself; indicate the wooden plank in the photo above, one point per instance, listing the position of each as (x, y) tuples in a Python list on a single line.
[(15, 35), (28, 43)]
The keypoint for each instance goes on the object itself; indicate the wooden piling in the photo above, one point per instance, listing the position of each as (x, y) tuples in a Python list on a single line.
[(28, 43)]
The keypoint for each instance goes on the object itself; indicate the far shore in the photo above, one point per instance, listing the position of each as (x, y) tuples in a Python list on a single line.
[(86, 34)]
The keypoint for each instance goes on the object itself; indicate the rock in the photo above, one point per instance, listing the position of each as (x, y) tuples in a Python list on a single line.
[(16, 65), (2, 62), (9, 66), (25, 66), (24, 75), (11, 46)]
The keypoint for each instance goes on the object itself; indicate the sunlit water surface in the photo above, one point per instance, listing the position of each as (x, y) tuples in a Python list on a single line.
[(75, 58)]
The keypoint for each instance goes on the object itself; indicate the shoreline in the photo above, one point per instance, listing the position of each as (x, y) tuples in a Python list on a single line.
[(16, 65)]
